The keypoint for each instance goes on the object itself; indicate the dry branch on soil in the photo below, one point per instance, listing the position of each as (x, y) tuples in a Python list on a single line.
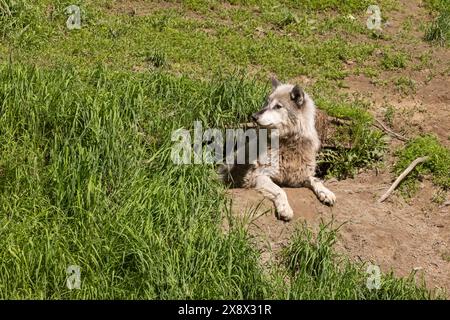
[(383, 127), (402, 176)]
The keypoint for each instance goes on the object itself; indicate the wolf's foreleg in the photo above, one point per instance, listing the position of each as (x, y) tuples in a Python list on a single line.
[(322, 192), (270, 190)]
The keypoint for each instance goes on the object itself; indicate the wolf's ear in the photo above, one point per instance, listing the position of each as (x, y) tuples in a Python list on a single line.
[(275, 82), (298, 95)]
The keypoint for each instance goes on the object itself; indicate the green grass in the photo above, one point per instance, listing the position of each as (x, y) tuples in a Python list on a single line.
[(389, 115), (355, 148), (85, 124), (191, 45), (438, 31), (173, 42), (316, 271), (405, 85), (446, 256), (394, 60), (87, 180), (438, 166), (356, 145)]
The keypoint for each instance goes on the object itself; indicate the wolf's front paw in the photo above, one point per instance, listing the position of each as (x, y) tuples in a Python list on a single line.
[(326, 197), (285, 212)]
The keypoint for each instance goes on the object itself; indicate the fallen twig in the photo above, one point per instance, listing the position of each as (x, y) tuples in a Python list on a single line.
[(446, 203), (334, 120), (386, 129), (402, 176), (241, 125)]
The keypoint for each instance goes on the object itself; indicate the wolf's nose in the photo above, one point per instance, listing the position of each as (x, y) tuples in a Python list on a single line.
[(254, 117)]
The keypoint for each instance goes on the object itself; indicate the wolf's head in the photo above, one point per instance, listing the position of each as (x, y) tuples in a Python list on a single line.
[(289, 109)]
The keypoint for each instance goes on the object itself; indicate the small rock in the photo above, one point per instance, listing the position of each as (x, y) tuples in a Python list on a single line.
[(434, 264), (260, 29), (378, 52)]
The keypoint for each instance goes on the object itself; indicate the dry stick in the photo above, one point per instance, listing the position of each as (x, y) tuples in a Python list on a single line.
[(247, 125), (250, 125), (386, 129), (340, 121), (402, 176)]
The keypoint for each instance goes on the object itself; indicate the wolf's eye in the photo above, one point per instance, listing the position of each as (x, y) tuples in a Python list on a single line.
[(278, 106)]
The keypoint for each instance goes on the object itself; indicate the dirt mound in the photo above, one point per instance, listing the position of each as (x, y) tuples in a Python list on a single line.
[(395, 235)]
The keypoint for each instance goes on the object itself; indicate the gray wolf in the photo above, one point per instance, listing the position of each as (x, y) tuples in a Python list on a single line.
[(291, 111)]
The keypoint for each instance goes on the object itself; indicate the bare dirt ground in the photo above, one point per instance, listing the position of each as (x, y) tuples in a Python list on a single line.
[(395, 235), (426, 107), (427, 110), (399, 235)]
